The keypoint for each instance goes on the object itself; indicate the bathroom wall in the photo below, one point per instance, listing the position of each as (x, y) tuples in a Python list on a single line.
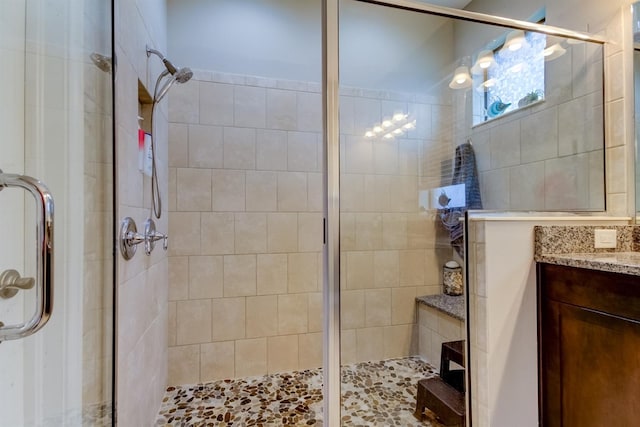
[(246, 225), (246, 200), (611, 20), (142, 283)]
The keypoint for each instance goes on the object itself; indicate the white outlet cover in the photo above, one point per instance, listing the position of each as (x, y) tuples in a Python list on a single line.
[(605, 238)]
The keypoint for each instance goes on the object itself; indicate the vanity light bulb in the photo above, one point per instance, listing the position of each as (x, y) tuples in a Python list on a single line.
[(388, 136), (409, 125), (398, 117), (369, 134), (398, 131), (377, 129), (386, 123)]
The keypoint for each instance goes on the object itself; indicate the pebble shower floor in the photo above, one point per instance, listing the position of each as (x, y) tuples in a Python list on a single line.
[(373, 394)]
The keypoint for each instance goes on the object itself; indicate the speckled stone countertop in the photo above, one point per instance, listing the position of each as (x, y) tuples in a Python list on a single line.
[(573, 246), (453, 306), (615, 262)]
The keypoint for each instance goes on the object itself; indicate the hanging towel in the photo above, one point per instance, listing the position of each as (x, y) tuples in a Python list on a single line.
[(464, 172)]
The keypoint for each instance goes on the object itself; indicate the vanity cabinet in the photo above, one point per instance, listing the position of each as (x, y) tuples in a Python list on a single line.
[(588, 347)]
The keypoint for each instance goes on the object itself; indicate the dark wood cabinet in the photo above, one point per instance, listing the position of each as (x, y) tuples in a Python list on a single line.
[(588, 347)]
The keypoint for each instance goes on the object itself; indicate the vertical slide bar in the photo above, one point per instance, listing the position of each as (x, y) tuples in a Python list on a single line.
[(331, 187)]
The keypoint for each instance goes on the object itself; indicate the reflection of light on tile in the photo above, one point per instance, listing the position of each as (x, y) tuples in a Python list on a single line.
[(390, 127)]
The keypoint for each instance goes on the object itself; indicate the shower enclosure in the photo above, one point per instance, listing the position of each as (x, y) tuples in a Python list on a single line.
[(299, 243), (56, 118)]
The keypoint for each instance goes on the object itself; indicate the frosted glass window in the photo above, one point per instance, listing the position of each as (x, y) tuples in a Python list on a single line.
[(514, 80)]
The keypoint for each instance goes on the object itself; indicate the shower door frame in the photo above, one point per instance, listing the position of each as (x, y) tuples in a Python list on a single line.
[(331, 174)]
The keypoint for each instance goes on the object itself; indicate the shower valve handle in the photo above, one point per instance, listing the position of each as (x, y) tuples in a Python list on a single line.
[(152, 236)]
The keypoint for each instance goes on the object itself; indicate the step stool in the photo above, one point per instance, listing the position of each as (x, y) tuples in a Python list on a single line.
[(444, 395)]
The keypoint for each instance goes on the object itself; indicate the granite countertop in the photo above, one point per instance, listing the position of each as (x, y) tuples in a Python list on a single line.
[(616, 262), (452, 305)]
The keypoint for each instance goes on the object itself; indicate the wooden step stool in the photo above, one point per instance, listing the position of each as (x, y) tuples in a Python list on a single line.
[(444, 395)]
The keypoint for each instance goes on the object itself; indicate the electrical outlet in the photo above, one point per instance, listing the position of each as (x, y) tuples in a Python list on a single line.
[(605, 238)]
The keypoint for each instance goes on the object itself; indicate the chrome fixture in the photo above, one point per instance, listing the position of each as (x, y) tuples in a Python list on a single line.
[(101, 61), (10, 280), (130, 238), (11, 283), (180, 75)]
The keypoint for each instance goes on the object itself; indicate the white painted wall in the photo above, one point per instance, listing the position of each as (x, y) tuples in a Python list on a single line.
[(381, 48)]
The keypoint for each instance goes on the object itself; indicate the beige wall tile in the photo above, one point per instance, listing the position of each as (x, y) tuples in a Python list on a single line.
[(262, 316), (302, 151), (217, 361), (314, 192), (347, 231), (228, 190), (309, 111), (171, 341), (352, 309), (228, 319), (403, 304), (184, 365), (205, 277), (539, 136), (205, 147), (251, 357), (303, 270), (272, 274), (185, 104), (400, 341), (282, 232), (377, 307), (178, 145), (292, 191), (216, 104), (282, 353), (527, 186), (359, 270), (369, 344), (394, 231), (250, 233), (386, 269), (310, 351), (262, 191), (421, 231), (412, 269), (239, 148), (281, 109), (184, 229), (368, 231), (218, 233), (315, 312), (310, 230), (178, 278), (193, 322), (293, 314), (348, 346), (249, 106), (172, 189), (239, 275), (271, 150), (424, 345)]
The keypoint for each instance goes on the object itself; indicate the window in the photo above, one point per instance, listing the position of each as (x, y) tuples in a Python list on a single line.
[(509, 77)]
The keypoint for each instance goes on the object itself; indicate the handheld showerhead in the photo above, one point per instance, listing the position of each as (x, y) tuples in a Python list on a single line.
[(183, 74)]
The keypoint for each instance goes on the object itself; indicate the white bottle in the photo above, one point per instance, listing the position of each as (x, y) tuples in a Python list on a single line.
[(148, 154)]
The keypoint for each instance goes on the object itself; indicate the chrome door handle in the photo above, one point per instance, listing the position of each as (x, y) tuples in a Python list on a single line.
[(44, 279)]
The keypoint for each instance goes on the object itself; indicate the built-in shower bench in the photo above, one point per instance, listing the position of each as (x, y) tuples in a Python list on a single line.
[(440, 319)]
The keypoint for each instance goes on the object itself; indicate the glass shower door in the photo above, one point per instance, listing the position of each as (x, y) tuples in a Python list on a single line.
[(56, 120)]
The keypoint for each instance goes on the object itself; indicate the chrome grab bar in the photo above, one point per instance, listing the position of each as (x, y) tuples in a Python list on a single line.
[(44, 264)]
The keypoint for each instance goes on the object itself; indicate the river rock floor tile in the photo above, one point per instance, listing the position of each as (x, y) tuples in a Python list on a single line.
[(380, 393)]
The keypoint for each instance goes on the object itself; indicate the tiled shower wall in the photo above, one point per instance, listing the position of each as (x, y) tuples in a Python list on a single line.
[(246, 226), (548, 156)]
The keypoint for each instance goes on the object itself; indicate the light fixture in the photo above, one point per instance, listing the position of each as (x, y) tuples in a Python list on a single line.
[(554, 51), (515, 40), (461, 78), (484, 61), (389, 128), (487, 84), (398, 117)]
